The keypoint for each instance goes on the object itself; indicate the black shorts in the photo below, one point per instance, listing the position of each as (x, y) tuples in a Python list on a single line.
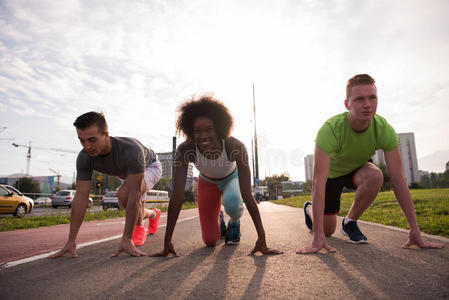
[(334, 187)]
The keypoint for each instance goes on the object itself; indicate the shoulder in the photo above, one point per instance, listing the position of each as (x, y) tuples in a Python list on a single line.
[(84, 160), (231, 143), (186, 151), (83, 156), (381, 122), (125, 141), (333, 125), (337, 121), (235, 149)]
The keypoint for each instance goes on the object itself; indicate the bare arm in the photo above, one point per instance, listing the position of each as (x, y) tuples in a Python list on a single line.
[(176, 198), (79, 206), (134, 182), (320, 174), (402, 193), (135, 189), (400, 188), (241, 158)]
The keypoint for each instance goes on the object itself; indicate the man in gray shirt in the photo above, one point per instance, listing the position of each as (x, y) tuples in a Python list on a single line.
[(126, 158)]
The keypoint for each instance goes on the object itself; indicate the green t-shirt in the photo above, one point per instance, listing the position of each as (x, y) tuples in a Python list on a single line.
[(348, 149)]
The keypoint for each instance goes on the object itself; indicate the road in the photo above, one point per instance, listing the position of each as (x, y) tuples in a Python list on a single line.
[(377, 270)]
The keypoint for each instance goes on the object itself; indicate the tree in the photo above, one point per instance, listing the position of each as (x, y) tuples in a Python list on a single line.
[(425, 181), (273, 183), (307, 187), (163, 185), (443, 180), (27, 185)]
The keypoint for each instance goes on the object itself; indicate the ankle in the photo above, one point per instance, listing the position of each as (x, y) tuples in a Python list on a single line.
[(348, 219)]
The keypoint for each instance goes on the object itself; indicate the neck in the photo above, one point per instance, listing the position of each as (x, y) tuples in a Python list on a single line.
[(107, 147), (358, 125)]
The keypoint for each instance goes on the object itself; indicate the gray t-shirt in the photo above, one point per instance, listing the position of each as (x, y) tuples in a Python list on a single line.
[(127, 156)]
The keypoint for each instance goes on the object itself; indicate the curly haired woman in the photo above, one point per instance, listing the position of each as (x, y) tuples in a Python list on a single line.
[(224, 175)]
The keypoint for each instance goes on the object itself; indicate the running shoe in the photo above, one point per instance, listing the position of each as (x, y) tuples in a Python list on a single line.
[(352, 231), (222, 225), (306, 215), (233, 234), (139, 236), (154, 222)]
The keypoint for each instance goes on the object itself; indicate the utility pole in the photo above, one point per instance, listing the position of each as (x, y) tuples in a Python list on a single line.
[(256, 155), (28, 156)]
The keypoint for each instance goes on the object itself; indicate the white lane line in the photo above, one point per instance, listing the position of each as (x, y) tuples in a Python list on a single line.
[(44, 255), (116, 222)]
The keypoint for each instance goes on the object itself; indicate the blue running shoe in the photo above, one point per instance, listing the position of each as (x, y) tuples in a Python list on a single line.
[(233, 234), (306, 215), (222, 225), (352, 231)]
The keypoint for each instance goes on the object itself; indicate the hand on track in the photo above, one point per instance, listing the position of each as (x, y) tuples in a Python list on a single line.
[(70, 247), (126, 245)]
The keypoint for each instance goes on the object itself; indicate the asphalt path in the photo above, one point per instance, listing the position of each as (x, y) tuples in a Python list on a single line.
[(377, 270)]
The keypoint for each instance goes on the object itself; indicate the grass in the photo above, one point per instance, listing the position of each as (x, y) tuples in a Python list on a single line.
[(11, 223), (431, 206)]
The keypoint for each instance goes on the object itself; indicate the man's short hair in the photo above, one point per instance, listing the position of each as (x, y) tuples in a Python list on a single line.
[(358, 80), (91, 118)]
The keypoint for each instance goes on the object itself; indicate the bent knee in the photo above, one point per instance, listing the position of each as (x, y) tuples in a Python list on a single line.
[(372, 178), (122, 194), (329, 233), (234, 210)]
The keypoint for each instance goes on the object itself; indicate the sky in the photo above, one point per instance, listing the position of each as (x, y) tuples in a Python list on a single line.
[(137, 61)]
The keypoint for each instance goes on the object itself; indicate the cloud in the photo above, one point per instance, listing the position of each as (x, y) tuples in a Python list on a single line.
[(138, 60)]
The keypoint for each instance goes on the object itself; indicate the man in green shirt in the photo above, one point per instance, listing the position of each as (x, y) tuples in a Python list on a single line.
[(343, 148)]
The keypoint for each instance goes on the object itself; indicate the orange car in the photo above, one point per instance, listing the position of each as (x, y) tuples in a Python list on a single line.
[(13, 204)]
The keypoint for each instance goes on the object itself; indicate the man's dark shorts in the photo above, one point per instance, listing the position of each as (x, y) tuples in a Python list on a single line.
[(334, 187)]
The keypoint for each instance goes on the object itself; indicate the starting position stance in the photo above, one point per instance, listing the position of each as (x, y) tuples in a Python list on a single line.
[(344, 146), (224, 175), (126, 158)]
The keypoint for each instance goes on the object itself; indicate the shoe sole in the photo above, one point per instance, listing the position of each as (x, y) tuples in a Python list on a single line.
[(351, 241), (156, 219), (232, 243), (306, 215)]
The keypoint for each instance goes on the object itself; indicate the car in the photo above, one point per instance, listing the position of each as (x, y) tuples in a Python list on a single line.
[(18, 193), (42, 201), (65, 198), (10, 203), (110, 199)]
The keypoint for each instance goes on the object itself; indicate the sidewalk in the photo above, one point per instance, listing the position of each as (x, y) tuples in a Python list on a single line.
[(380, 269)]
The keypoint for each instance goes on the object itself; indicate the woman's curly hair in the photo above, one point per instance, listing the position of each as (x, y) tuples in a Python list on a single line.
[(204, 106)]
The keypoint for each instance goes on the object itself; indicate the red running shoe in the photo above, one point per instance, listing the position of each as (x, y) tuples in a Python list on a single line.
[(153, 223), (139, 236)]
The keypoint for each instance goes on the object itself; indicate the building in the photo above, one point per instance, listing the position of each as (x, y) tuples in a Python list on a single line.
[(47, 184), (308, 166), (409, 158), (379, 158), (166, 161), (407, 148)]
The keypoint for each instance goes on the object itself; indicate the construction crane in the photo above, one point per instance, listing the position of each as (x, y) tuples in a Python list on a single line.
[(42, 148), (58, 176), (28, 156)]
